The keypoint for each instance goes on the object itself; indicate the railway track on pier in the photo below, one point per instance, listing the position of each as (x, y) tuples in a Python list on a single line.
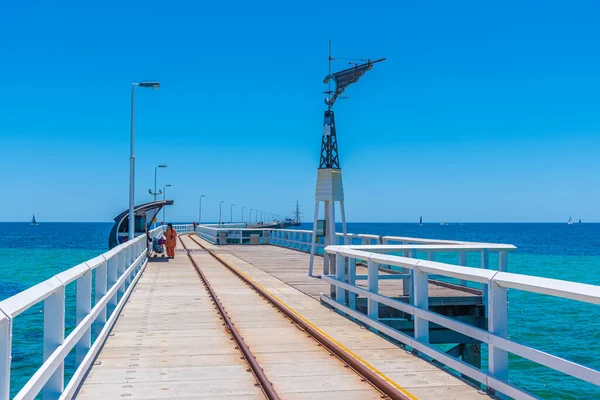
[(339, 367)]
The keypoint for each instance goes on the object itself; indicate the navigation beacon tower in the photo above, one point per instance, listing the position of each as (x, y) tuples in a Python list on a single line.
[(329, 175)]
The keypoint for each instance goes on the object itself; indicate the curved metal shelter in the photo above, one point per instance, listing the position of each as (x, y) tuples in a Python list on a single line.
[(144, 215)]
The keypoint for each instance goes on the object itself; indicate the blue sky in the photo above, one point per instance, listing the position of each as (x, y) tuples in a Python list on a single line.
[(482, 112)]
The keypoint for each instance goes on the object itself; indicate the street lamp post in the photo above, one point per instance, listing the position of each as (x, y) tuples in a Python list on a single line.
[(155, 193), (220, 204), (200, 210), (243, 214), (164, 198), (231, 213), (153, 85), (250, 217)]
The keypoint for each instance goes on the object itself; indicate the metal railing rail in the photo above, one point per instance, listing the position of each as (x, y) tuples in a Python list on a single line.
[(115, 272), (496, 283), (183, 228)]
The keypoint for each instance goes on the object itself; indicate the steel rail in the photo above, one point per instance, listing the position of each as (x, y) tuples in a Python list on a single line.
[(255, 367), (361, 369)]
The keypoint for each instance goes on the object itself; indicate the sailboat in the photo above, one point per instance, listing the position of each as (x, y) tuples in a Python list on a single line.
[(33, 221), (570, 221), (420, 221), (579, 221)]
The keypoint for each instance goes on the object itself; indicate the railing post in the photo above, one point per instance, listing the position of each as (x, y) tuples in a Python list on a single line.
[(421, 301), (82, 309), (112, 275), (503, 261), (340, 275), (411, 280), (122, 261), (498, 324), (485, 264), (54, 336), (100, 289), (463, 262), (406, 283), (352, 281), (373, 287), (5, 354)]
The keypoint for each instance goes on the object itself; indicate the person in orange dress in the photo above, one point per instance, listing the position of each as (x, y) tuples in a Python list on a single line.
[(171, 235)]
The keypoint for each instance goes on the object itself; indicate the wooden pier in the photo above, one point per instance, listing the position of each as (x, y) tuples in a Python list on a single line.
[(170, 342)]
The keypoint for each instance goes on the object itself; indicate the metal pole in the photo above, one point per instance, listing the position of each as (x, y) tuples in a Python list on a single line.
[(200, 210), (132, 169), (250, 217), (243, 214), (220, 206), (231, 213), (164, 198)]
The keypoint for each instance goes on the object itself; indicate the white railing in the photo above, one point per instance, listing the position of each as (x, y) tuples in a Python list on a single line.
[(115, 273), (183, 228), (232, 234), (496, 283)]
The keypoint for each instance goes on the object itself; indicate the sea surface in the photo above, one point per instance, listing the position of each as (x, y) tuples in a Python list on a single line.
[(569, 329)]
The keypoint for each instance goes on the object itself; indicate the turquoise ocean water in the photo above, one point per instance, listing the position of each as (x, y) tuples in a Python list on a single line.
[(565, 328)]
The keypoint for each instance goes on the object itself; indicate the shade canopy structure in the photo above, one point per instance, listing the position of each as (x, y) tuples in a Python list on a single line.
[(144, 215)]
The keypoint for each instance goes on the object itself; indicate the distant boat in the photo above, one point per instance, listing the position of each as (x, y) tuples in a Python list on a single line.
[(579, 221), (33, 221), (420, 221), (570, 221)]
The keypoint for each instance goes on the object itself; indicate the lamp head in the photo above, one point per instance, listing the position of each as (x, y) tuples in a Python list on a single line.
[(153, 85), (162, 166)]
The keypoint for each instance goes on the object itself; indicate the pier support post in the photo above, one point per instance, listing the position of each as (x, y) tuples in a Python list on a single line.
[(82, 309), (54, 336)]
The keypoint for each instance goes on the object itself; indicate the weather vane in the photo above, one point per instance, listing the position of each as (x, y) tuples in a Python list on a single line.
[(341, 80), (344, 78)]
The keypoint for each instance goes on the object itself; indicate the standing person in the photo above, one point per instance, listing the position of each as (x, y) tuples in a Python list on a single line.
[(171, 235)]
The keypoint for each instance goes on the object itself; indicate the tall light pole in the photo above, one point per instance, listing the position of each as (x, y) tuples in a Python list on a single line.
[(200, 210), (231, 213), (243, 214), (220, 204), (153, 85), (164, 198), (250, 218), (256, 216), (155, 176)]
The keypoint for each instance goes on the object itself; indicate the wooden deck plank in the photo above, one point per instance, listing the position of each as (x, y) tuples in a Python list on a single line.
[(272, 345), (291, 267), (283, 273), (169, 343)]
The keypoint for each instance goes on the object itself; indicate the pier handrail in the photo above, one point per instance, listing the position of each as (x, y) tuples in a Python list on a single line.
[(496, 285), (115, 272)]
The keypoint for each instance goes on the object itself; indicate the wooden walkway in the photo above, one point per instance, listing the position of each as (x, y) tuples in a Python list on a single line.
[(169, 341), (291, 267)]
